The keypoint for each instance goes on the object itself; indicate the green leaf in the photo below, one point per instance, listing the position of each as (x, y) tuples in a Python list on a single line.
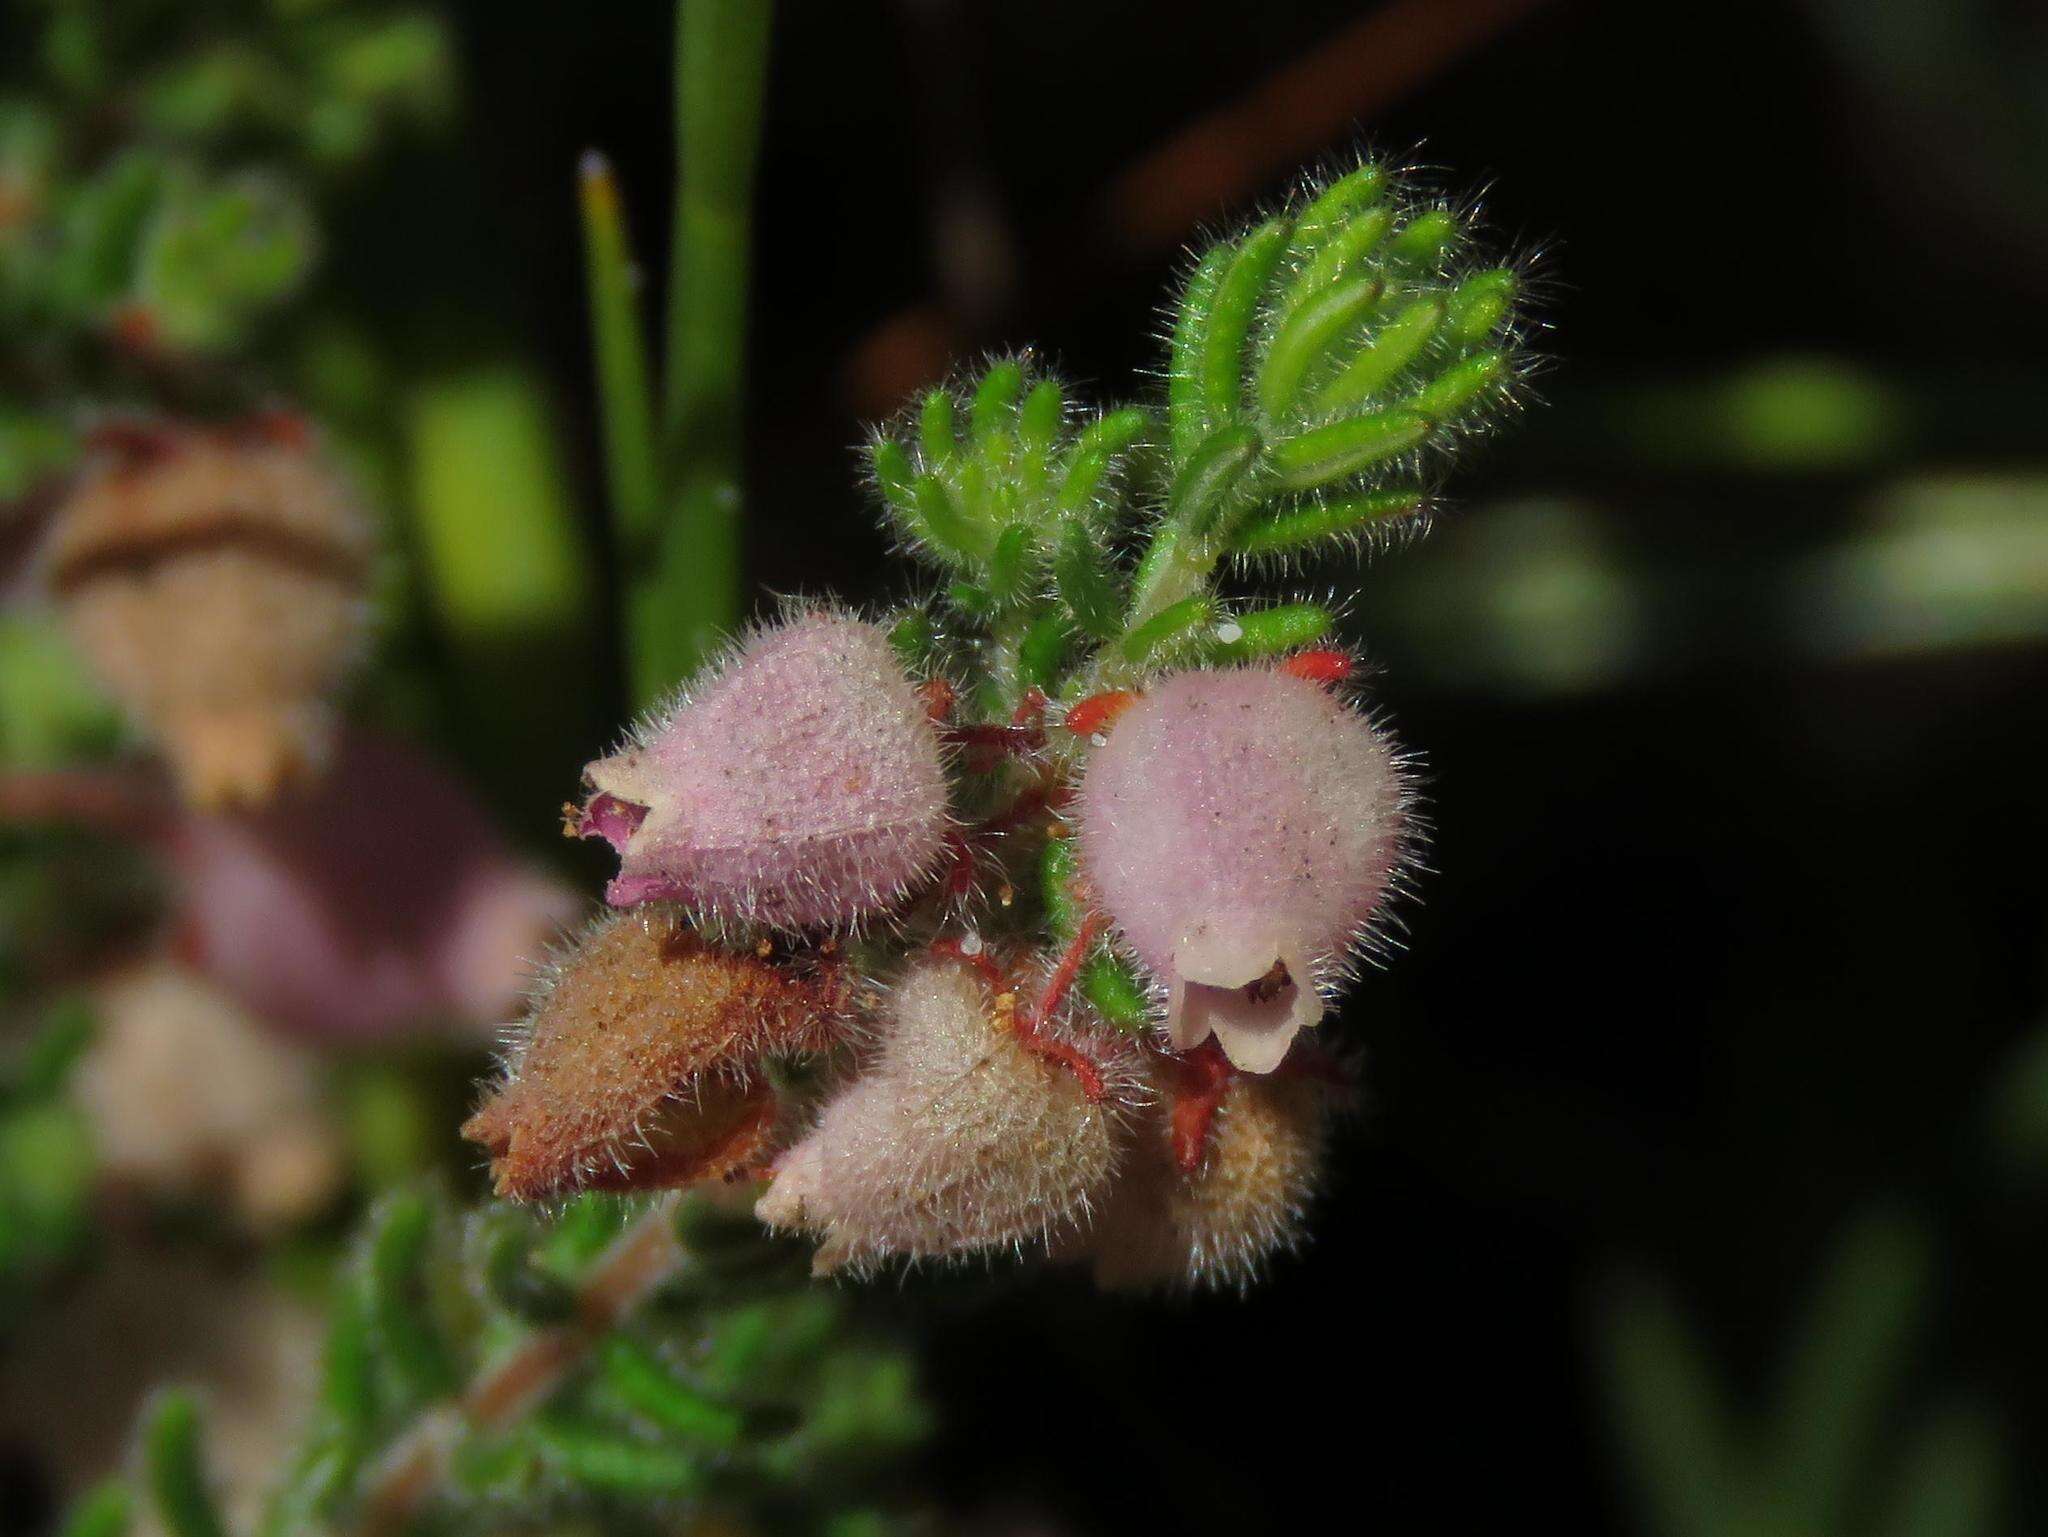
[(1394, 347), (1211, 485), (1170, 630), (600, 1459), (644, 1383), (625, 389), (1096, 450), (1326, 454), (1848, 1355), (103, 224), (1337, 208), (391, 65), (1269, 631), (214, 258), (1087, 584), (1240, 294), (943, 526), (1352, 244), (1460, 387), (995, 401), (1116, 993), (1013, 565), (915, 639), (1479, 305), (1951, 1480), (1038, 420), (521, 1287), (1188, 418), (1042, 651), (107, 1511), (937, 435), (408, 1335), (1668, 1410), (172, 1459), (1426, 240), (1301, 527), (1307, 336)]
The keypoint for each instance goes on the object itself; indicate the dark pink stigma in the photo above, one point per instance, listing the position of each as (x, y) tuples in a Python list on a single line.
[(609, 818)]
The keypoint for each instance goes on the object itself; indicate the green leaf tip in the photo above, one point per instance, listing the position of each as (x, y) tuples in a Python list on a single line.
[(173, 1458)]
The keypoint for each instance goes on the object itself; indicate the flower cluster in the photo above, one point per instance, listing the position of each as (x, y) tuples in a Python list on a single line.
[(1010, 920)]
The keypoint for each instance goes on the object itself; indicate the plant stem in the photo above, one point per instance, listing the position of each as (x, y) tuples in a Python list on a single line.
[(625, 395), (690, 592), (643, 1257)]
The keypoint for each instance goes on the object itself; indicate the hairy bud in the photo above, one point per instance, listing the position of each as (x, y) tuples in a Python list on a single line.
[(1218, 1225), (640, 1063), (802, 786), (215, 580), (1241, 830), (956, 1140)]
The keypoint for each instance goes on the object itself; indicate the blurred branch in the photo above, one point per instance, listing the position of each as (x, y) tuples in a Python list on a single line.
[(131, 802), (1295, 111), (1226, 157), (644, 1257)]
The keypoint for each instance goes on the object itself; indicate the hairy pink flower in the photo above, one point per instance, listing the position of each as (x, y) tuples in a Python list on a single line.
[(1241, 830), (381, 900), (957, 1139), (803, 785)]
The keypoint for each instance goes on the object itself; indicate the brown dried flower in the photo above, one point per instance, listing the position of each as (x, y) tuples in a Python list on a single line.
[(215, 580), (1218, 1225), (641, 1062)]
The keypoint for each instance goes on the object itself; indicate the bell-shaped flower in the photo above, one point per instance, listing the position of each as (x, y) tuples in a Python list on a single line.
[(1241, 830), (802, 786)]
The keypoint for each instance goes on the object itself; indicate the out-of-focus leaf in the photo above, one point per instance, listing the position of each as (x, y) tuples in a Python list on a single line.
[(2018, 1113), (1844, 1362), (1668, 1409), (51, 711), (215, 257), (103, 224), (216, 90), (33, 447), (398, 65), (1951, 1481)]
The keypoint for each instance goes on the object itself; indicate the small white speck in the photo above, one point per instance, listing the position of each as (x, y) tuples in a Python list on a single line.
[(970, 943), (1100, 739), (1230, 632)]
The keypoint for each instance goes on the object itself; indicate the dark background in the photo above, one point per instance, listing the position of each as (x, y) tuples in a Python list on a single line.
[(1736, 922)]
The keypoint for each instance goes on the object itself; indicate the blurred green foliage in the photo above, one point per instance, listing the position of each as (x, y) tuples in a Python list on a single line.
[(1823, 1457), (46, 1163), (735, 1386), (159, 171)]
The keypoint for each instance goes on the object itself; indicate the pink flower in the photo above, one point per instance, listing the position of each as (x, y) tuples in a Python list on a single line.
[(802, 785), (379, 901), (957, 1139), (1241, 830)]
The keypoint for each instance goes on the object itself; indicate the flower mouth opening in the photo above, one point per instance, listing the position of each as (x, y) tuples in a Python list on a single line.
[(1272, 987), (608, 817), (1249, 990)]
